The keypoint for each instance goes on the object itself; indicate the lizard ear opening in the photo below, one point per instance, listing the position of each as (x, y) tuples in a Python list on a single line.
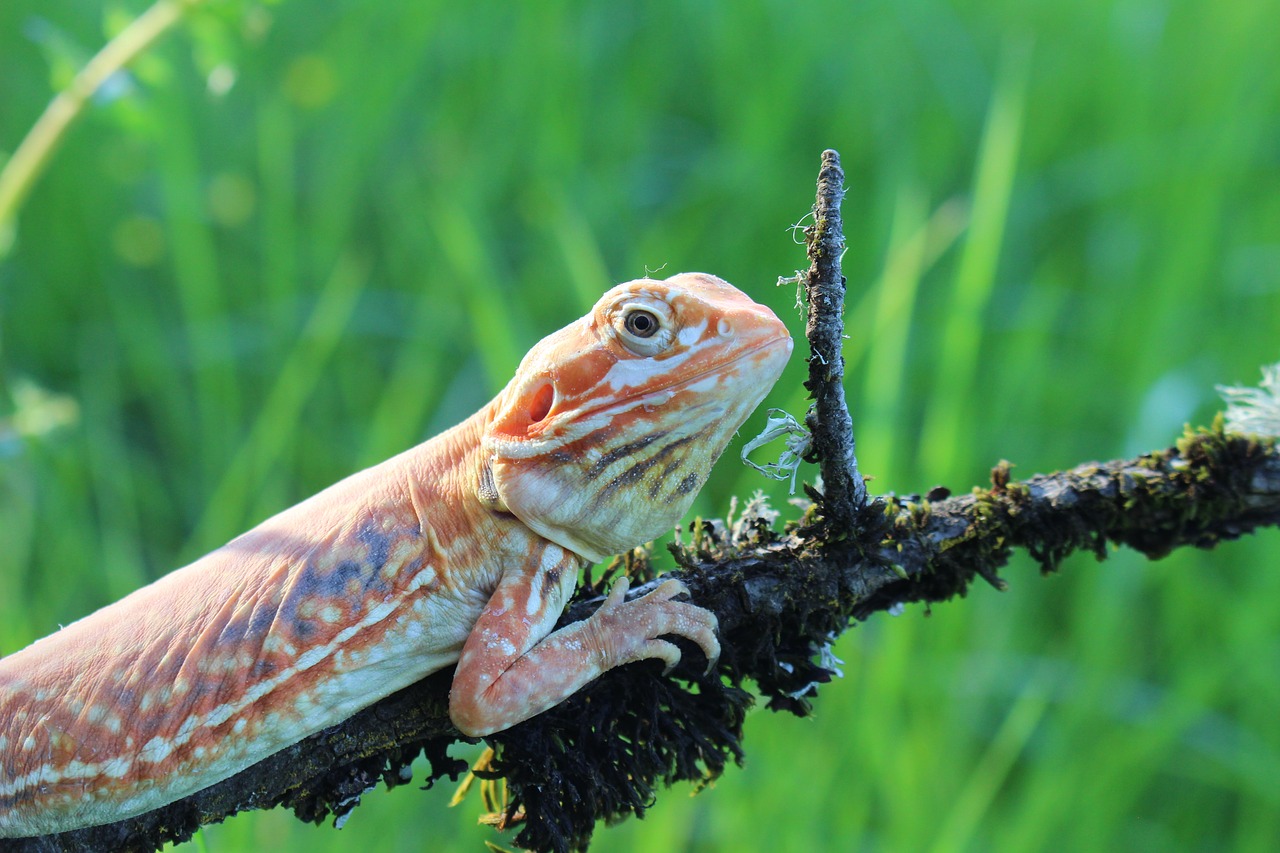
[(541, 402)]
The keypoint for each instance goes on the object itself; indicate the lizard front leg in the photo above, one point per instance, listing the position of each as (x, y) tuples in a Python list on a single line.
[(513, 666)]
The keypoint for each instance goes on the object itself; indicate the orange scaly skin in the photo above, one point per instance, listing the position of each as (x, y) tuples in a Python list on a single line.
[(463, 549)]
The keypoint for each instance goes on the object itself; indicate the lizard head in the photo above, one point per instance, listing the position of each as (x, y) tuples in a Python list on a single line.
[(611, 425)]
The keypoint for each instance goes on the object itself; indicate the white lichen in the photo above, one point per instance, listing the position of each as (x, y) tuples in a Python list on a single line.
[(826, 659), (798, 441), (1255, 411), (757, 512)]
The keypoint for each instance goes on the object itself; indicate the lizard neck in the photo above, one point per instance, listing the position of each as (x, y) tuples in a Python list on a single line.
[(446, 464), (441, 481)]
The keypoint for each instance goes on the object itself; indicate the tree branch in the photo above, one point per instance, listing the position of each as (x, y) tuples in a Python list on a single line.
[(828, 421), (782, 595)]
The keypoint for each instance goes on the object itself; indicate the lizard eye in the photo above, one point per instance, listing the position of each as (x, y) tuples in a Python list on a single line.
[(641, 323)]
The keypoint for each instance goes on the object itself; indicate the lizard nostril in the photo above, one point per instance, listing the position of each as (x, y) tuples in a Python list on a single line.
[(724, 328), (540, 405)]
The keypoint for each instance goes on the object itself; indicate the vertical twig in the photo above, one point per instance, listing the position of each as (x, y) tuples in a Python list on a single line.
[(845, 493)]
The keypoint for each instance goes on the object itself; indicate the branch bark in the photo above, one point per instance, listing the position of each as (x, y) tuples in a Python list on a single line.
[(781, 596), (828, 421)]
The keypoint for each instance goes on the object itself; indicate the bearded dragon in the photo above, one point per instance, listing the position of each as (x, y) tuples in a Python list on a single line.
[(461, 550)]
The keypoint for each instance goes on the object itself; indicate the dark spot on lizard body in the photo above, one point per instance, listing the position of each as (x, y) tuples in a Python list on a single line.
[(688, 484), (261, 669), (350, 580), (260, 622), (622, 451), (636, 472), (125, 697), (581, 447), (351, 577), (655, 487), (203, 689), (380, 541)]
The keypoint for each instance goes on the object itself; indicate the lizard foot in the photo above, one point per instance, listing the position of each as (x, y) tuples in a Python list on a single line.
[(627, 631)]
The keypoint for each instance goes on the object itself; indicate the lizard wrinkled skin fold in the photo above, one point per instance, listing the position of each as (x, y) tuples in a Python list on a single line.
[(461, 550)]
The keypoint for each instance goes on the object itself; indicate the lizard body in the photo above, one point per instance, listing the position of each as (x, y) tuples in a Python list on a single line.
[(462, 550)]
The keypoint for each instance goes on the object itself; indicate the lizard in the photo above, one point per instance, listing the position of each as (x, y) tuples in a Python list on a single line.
[(462, 550)]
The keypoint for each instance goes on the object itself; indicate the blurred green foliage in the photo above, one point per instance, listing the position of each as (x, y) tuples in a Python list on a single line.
[(296, 238)]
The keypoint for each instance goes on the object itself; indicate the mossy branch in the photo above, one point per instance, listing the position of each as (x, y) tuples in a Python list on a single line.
[(782, 595)]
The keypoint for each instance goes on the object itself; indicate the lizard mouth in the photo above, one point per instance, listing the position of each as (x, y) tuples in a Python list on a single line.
[(546, 424), (662, 393)]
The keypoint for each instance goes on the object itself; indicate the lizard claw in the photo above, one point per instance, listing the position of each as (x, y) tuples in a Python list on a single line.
[(712, 660)]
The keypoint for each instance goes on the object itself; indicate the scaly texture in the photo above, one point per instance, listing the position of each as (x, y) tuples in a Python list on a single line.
[(464, 549)]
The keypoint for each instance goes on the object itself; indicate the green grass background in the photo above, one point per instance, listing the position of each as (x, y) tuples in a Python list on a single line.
[(299, 237)]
